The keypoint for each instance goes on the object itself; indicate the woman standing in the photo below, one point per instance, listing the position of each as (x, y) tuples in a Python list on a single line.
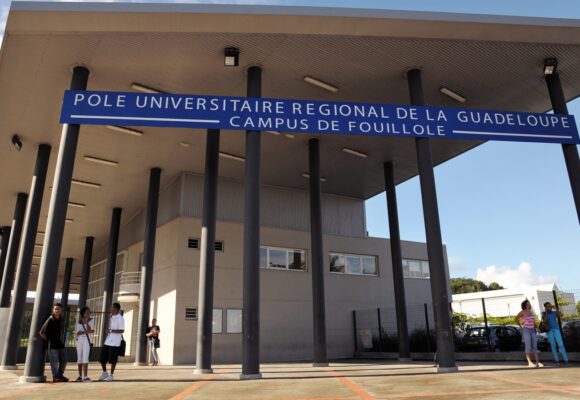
[(84, 330), (529, 330)]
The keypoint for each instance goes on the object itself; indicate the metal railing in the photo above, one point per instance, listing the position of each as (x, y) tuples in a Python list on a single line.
[(130, 285)]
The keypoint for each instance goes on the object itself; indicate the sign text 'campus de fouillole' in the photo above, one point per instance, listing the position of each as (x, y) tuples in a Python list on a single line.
[(309, 116)]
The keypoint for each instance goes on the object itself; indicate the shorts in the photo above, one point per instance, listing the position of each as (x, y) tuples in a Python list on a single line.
[(530, 340), (83, 351), (109, 354)]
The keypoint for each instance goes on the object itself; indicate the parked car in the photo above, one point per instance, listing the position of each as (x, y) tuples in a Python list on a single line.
[(493, 338), (570, 326), (541, 338)]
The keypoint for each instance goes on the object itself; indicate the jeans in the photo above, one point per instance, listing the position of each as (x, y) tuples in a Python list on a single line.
[(530, 340), (554, 336), (57, 359), (153, 349)]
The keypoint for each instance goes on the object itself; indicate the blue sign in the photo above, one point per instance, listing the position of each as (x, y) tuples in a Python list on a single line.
[(309, 116)]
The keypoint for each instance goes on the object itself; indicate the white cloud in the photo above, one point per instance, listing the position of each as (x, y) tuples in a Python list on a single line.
[(510, 278)]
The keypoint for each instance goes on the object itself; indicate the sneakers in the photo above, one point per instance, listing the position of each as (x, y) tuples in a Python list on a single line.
[(109, 378), (86, 379), (79, 379), (56, 380), (64, 378), (104, 375)]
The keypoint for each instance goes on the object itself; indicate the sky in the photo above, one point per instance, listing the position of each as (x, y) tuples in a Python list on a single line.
[(506, 209)]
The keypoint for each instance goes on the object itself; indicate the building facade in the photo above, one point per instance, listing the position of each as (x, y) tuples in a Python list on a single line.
[(358, 273)]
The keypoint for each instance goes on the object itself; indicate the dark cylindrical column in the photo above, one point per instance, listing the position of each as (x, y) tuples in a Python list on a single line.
[(147, 267), (207, 254), (439, 278), (251, 302), (110, 270), (66, 284), (570, 150), (13, 247), (26, 252), (87, 258), (35, 355), (316, 244), (397, 261), (4, 249)]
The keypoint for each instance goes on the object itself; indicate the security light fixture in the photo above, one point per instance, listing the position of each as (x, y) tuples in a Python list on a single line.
[(232, 156), (86, 184), (231, 57), (289, 136), (307, 176), (77, 205), (145, 89), (17, 142), (355, 152), (550, 66), (320, 84), (101, 161), (123, 129), (276, 133), (184, 144), (454, 95)]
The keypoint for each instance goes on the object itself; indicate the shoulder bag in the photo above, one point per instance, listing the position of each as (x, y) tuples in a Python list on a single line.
[(87, 335)]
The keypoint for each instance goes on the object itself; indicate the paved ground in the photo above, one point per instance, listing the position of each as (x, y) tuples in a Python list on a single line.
[(341, 380)]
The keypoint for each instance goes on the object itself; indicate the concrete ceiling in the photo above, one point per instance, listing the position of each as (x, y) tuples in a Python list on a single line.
[(494, 61)]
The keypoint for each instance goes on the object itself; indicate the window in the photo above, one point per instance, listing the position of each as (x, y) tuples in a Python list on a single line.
[(191, 314), (217, 321), (353, 264), (415, 269), (196, 243), (281, 258), (337, 263), (233, 320)]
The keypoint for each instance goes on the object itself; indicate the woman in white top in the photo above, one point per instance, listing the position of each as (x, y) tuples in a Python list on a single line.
[(84, 330)]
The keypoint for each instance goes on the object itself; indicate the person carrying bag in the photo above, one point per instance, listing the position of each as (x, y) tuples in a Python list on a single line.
[(550, 321), (84, 343)]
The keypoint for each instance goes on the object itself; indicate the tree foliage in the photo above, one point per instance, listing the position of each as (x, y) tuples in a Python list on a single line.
[(468, 285)]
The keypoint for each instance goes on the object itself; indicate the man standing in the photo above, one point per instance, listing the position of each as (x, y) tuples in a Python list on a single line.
[(51, 332), (550, 319), (152, 334), (110, 352)]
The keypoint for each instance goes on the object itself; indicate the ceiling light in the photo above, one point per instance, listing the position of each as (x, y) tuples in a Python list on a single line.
[(130, 131), (101, 161), (320, 84), (355, 152), (85, 183), (232, 156), (145, 89), (550, 66), (289, 136), (231, 57), (38, 245), (306, 175), (77, 205), (274, 133), (69, 220), (17, 142), (184, 144), (454, 95)]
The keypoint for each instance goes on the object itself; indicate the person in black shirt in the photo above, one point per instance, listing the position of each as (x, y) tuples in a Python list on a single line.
[(152, 334), (51, 332)]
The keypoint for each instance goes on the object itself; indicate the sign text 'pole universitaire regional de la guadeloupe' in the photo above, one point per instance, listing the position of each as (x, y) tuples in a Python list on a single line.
[(309, 116)]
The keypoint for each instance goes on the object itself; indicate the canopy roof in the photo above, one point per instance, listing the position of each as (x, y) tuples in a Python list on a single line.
[(495, 62)]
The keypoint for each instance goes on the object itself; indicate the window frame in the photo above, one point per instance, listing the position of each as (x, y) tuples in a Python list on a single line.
[(360, 257), (423, 266), (287, 251), (227, 331)]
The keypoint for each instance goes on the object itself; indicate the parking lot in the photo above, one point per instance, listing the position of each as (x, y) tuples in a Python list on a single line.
[(352, 379)]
